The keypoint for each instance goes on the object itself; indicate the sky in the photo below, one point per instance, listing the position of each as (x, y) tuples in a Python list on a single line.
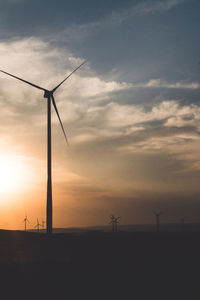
[(131, 113)]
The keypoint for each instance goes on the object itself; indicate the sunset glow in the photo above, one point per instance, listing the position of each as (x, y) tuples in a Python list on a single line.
[(13, 175)]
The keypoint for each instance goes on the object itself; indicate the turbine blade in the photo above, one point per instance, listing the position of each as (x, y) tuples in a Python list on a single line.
[(32, 84), (68, 77), (54, 104)]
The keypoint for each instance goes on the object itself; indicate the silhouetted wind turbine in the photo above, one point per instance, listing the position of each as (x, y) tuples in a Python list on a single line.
[(43, 222), (50, 99), (38, 225), (114, 221), (25, 221), (157, 214)]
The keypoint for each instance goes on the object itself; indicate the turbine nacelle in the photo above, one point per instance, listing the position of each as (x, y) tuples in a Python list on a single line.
[(48, 94)]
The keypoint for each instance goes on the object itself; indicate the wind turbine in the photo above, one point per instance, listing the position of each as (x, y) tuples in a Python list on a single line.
[(25, 221), (43, 222), (38, 225), (49, 95), (112, 222), (116, 222), (157, 215)]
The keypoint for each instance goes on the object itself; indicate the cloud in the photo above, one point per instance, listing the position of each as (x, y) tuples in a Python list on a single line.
[(141, 9), (82, 105), (118, 116), (159, 83), (168, 131), (37, 62), (118, 18)]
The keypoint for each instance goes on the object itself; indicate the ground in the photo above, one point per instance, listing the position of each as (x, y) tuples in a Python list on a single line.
[(100, 265)]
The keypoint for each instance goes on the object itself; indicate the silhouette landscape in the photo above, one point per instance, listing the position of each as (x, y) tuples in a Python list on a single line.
[(112, 211), (86, 261)]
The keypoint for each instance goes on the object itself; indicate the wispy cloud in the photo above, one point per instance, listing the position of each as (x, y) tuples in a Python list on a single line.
[(160, 83), (141, 9), (117, 18)]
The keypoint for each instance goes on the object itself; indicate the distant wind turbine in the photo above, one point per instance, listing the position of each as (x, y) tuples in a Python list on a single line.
[(38, 225), (25, 221), (48, 94), (43, 222), (157, 215), (114, 221)]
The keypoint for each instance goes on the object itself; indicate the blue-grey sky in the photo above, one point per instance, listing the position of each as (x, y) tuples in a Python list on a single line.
[(132, 113), (143, 37)]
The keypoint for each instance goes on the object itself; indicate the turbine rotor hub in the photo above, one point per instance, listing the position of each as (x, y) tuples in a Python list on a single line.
[(47, 94)]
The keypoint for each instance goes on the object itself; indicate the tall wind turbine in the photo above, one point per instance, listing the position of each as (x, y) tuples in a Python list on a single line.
[(49, 95)]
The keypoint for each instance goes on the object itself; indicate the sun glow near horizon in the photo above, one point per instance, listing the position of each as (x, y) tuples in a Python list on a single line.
[(15, 173)]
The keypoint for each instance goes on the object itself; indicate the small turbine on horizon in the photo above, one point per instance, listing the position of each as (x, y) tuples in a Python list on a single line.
[(25, 222), (114, 221), (43, 222), (49, 95), (157, 215), (38, 225)]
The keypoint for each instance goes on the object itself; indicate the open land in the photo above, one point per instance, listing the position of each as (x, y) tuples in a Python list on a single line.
[(100, 265)]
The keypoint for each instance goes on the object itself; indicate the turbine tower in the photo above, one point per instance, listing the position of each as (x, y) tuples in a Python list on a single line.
[(49, 95), (157, 215), (25, 221), (112, 222), (116, 223)]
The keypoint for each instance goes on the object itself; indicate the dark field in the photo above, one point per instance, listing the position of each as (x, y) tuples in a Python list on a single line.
[(100, 265)]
